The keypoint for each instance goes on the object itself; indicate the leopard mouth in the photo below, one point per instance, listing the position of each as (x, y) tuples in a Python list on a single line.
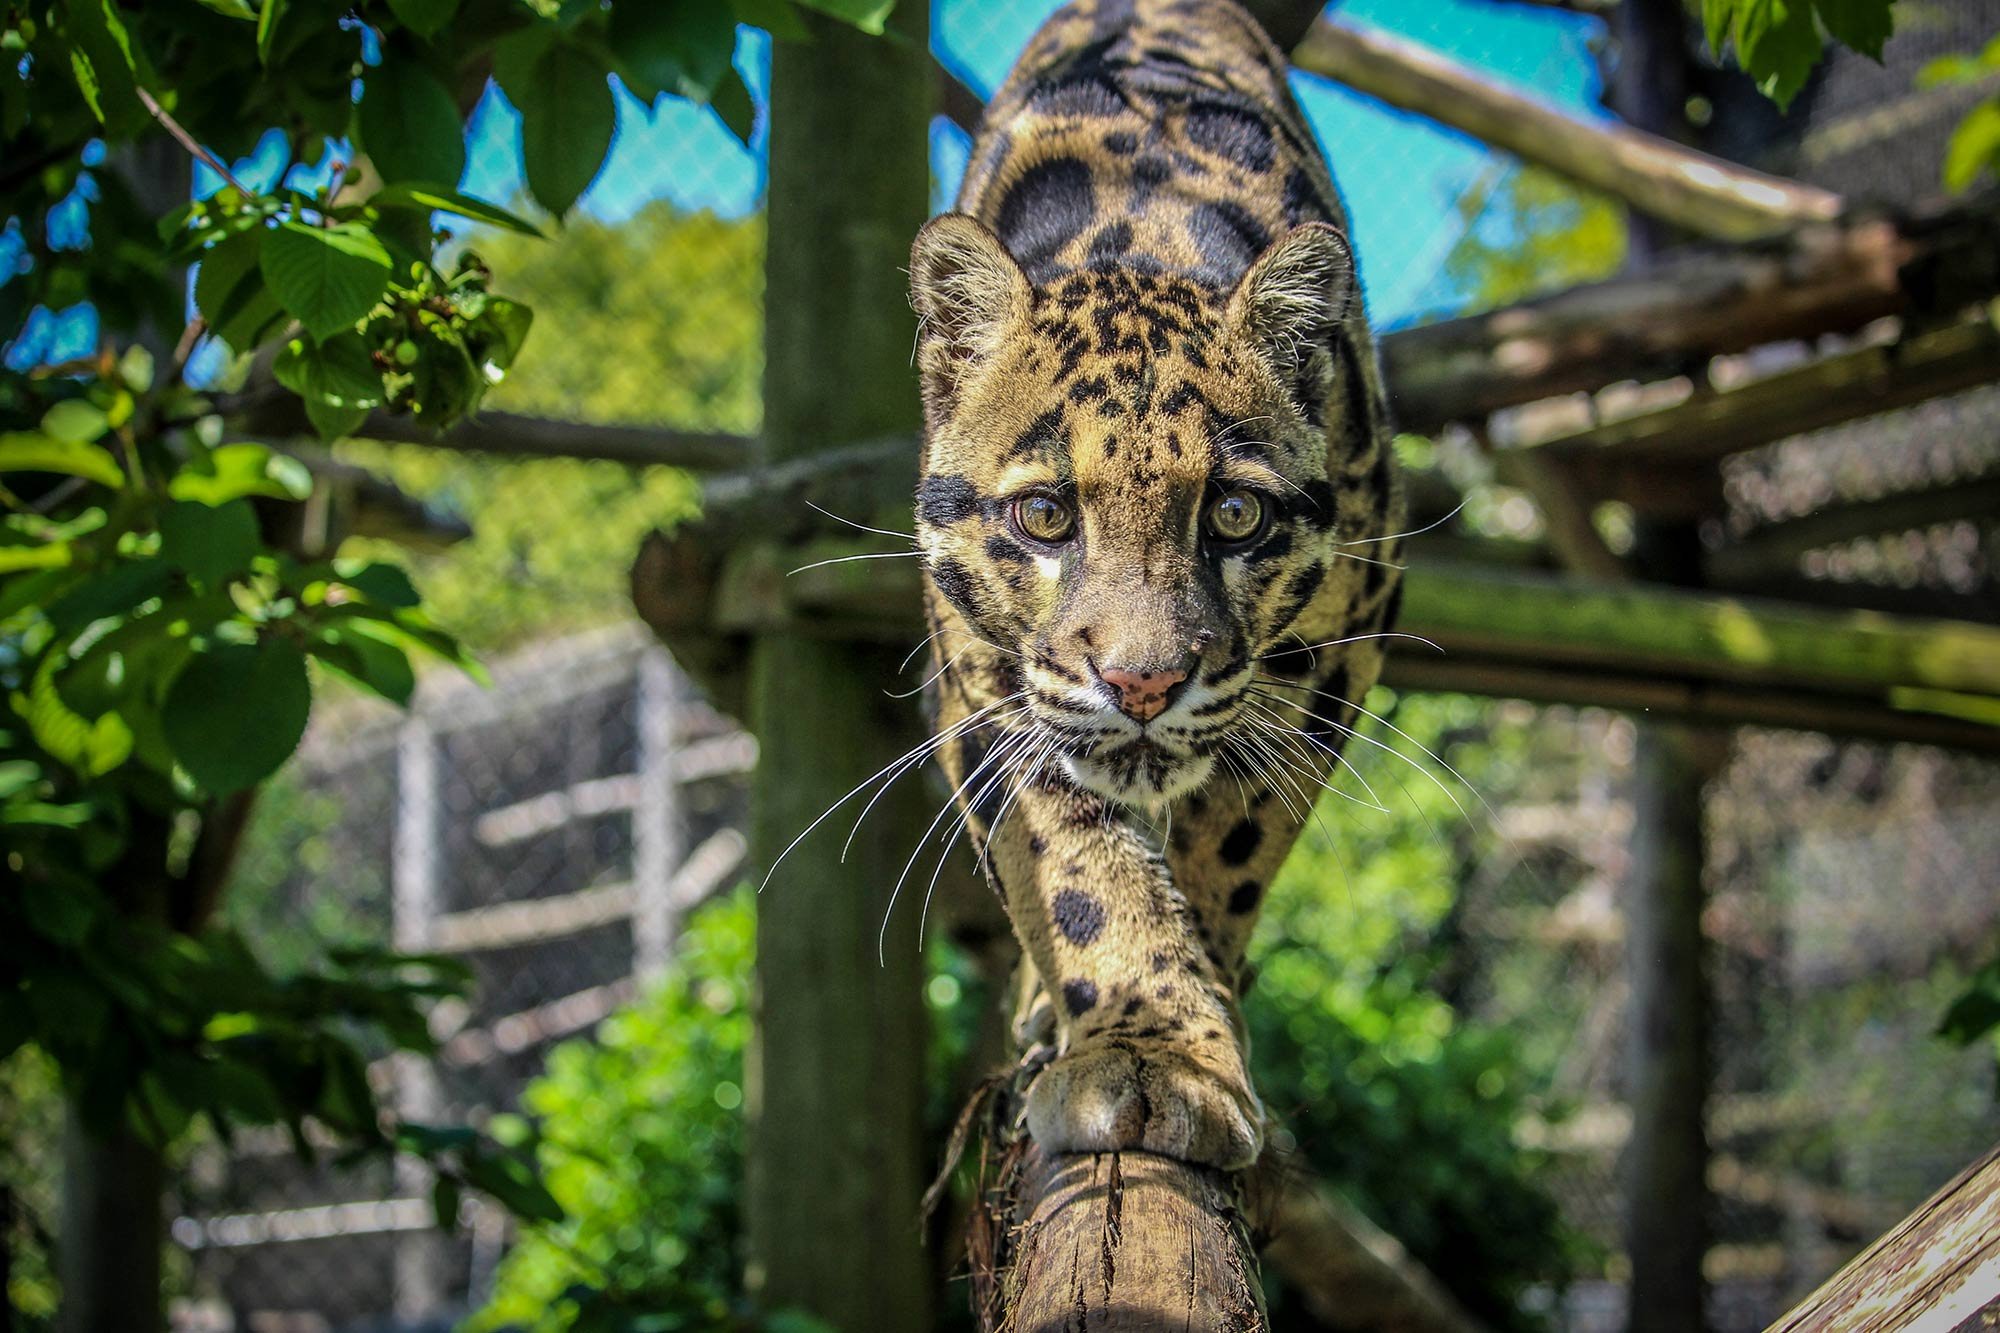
[(1139, 771)]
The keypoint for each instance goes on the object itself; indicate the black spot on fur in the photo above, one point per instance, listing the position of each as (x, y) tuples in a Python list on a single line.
[(1231, 132), (1079, 996), (1160, 962), (1078, 916), (1228, 239), (1122, 142), (1302, 201), (1005, 550), (1111, 242), (1044, 431), (944, 499), (958, 586), (1243, 898), (1148, 175), (1046, 209), (1240, 843), (1037, 843)]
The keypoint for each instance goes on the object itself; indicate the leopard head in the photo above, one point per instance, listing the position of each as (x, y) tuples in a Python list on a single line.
[(1129, 485)]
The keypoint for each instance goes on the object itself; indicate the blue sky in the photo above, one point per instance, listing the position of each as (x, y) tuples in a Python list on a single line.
[(1401, 174)]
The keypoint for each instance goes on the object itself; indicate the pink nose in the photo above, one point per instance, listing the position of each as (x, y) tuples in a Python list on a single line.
[(1142, 695)]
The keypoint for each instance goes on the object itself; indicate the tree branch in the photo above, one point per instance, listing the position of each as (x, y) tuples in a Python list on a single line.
[(1704, 194)]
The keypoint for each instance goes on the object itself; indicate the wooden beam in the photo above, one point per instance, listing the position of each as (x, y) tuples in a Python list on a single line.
[(1939, 1268), (1705, 195), (1774, 550), (1692, 306), (510, 435), (1631, 459)]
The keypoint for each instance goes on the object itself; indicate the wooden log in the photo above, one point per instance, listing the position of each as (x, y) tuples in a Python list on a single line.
[(1939, 1268), (1115, 1243), (1635, 459), (1691, 306), (1703, 194)]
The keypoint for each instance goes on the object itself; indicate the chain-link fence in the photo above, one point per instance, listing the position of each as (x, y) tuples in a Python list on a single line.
[(552, 830)]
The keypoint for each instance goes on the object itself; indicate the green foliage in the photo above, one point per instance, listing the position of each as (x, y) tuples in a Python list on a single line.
[(661, 326), (1974, 1014), (1389, 1092), (1974, 149), (640, 1134), (1777, 42), (1532, 232)]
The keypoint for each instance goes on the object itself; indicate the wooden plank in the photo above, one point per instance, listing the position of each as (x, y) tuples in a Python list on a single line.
[(1936, 1271), (531, 920), (1691, 305), (1641, 459), (1703, 194)]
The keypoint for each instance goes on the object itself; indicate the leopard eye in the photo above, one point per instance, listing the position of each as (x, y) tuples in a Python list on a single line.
[(1234, 517), (1044, 518)]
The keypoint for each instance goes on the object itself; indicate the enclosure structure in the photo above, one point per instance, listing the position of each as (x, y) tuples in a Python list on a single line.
[(1675, 393)]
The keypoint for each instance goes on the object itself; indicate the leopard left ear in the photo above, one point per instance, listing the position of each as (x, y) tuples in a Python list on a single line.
[(968, 292), (1296, 292)]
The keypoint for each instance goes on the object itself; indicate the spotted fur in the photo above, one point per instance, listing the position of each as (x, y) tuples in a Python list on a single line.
[(1145, 299)]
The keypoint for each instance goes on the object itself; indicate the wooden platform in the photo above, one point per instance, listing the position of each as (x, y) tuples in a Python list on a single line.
[(1936, 1271)]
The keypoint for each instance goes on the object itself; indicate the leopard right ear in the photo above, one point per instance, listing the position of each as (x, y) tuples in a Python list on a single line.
[(968, 292)]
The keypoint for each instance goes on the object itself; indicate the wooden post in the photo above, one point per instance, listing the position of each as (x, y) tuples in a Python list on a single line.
[(659, 842), (835, 1077), (413, 906)]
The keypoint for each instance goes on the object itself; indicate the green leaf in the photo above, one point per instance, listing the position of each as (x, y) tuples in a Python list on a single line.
[(568, 116), (733, 104), (1862, 25), (31, 451), (867, 15), (232, 471), (75, 421), (235, 9), (230, 293), (91, 748), (673, 48), (444, 1202), (1717, 16), (1777, 43), (1974, 147), (434, 198), (327, 277), (334, 421), (776, 17), (338, 380), (268, 20), (382, 584), (58, 911), (1976, 1012), (408, 122), (512, 1180), (509, 322), (237, 711), (101, 57), (423, 17), (114, 591), (209, 544), (366, 660)]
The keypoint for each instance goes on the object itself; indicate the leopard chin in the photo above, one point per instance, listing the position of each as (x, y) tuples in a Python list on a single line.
[(1139, 773)]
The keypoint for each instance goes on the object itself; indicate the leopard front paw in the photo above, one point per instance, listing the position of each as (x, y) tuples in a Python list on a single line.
[(1119, 1095)]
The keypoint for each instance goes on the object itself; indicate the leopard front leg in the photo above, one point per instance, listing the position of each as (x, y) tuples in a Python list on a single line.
[(1150, 1051)]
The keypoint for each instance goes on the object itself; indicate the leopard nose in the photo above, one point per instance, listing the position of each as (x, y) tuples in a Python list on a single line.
[(1142, 695)]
